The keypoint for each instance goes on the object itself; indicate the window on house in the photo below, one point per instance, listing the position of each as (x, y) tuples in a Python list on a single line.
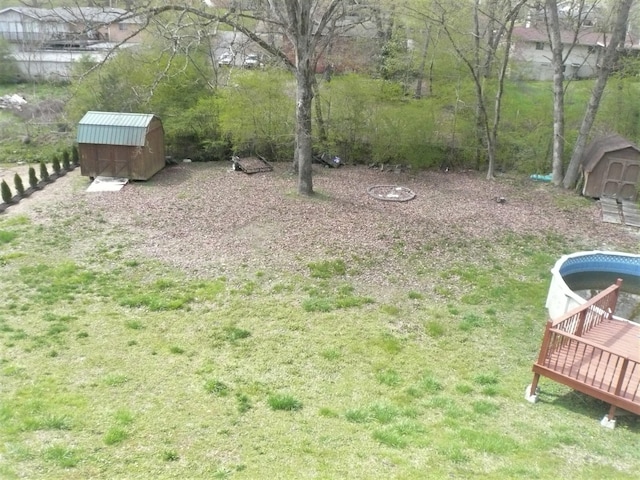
[(122, 26), (591, 49), (539, 45)]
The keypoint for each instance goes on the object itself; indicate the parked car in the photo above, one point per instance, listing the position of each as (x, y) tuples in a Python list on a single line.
[(226, 59), (252, 61)]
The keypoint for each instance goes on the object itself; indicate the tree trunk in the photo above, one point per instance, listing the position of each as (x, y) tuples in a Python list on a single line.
[(423, 63), (323, 135), (481, 112), (610, 56), (304, 97), (553, 25), (497, 105)]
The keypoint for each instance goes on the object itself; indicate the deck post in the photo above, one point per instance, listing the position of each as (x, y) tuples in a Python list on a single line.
[(611, 416), (609, 420), (546, 339), (615, 295), (623, 372), (581, 318), (531, 393)]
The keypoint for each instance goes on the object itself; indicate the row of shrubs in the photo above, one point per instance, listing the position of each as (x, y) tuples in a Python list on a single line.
[(69, 162)]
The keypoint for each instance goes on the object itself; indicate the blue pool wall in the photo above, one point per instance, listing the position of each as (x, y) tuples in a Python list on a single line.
[(561, 298)]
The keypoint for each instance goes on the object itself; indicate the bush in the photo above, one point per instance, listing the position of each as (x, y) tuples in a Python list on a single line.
[(55, 164), (66, 160), (44, 173), (9, 70), (75, 155), (17, 181), (33, 180), (6, 192)]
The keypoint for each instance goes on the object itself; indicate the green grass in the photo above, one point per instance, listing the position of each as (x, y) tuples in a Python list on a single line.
[(217, 387), (143, 372), (62, 456), (115, 435), (284, 402)]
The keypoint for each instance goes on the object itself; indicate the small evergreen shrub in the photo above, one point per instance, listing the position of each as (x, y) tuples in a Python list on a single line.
[(17, 181), (44, 173), (6, 192), (55, 164), (75, 155), (66, 159), (33, 180)]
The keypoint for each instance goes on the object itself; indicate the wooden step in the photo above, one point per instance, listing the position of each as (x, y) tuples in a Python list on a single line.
[(610, 210), (630, 214)]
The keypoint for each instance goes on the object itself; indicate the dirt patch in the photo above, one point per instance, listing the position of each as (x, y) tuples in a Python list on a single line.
[(206, 218)]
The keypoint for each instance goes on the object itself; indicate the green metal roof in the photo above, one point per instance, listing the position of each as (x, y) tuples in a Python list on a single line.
[(114, 128)]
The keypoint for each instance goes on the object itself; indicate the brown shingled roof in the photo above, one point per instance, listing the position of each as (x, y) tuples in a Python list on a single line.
[(596, 149)]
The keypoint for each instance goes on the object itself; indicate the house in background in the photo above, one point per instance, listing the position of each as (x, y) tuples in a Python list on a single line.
[(531, 52), (47, 42), (42, 27)]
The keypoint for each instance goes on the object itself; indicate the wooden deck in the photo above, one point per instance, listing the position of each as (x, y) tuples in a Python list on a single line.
[(590, 350)]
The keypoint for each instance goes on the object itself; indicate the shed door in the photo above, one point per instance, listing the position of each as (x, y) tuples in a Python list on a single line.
[(622, 179), (113, 162)]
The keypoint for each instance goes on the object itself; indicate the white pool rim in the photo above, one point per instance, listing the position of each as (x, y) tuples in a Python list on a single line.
[(561, 298)]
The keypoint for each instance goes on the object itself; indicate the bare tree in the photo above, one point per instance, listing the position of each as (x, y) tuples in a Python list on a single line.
[(478, 45), (297, 32), (616, 41), (307, 34), (429, 38), (557, 60), (575, 16)]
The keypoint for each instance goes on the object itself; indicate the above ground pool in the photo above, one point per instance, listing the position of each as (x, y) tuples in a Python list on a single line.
[(579, 276)]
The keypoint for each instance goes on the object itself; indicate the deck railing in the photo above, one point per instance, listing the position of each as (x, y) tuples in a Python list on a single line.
[(566, 357), (583, 318), (593, 369)]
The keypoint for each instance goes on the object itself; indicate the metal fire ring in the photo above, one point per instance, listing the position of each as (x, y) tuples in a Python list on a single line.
[(391, 193)]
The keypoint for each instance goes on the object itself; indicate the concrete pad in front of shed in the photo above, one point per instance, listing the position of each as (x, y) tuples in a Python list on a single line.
[(107, 184)]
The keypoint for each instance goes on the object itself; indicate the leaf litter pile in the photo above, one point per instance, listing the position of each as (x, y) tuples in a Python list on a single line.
[(207, 219)]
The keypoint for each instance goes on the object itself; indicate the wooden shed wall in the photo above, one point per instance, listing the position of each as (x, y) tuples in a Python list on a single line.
[(616, 174), (132, 162)]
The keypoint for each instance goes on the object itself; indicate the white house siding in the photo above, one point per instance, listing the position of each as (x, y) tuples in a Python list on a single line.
[(53, 65), (34, 26), (19, 28), (530, 63)]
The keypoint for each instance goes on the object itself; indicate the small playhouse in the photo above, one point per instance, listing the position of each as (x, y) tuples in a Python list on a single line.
[(123, 145), (611, 167)]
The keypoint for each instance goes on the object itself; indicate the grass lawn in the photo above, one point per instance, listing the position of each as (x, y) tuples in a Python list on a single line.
[(118, 367)]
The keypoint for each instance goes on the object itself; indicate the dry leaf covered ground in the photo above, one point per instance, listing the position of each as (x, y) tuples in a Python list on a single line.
[(207, 219)]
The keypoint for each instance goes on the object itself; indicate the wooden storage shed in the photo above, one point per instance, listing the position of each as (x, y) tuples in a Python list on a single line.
[(611, 167), (126, 145)]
